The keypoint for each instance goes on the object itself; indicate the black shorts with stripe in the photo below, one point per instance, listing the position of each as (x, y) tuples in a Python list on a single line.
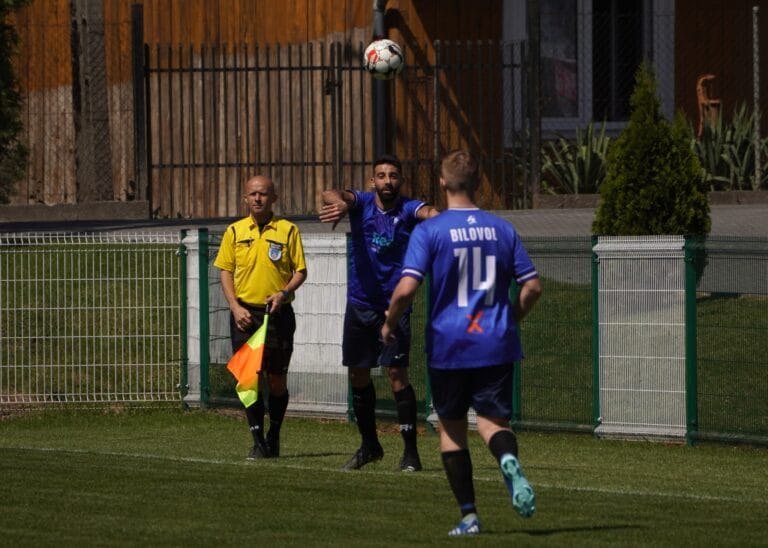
[(362, 345), (278, 346)]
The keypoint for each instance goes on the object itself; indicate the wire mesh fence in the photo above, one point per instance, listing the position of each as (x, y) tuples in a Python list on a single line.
[(97, 319), (557, 372), (732, 328), (89, 318)]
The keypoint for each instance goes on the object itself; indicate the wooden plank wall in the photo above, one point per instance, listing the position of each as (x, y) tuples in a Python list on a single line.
[(45, 68), (45, 75)]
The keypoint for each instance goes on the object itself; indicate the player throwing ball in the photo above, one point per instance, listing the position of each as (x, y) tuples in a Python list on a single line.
[(381, 222), (473, 340)]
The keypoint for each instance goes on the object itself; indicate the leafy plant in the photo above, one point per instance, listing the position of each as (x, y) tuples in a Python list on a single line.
[(13, 153), (576, 166), (654, 183), (734, 149), (727, 152)]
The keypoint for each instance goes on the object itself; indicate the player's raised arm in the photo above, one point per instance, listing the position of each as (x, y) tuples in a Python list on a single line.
[(336, 203), (426, 212)]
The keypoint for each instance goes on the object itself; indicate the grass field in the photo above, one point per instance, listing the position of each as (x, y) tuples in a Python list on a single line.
[(171, 477)]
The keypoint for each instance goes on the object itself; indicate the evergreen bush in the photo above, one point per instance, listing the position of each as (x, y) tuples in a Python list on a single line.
[(654, 182), (13, 153)]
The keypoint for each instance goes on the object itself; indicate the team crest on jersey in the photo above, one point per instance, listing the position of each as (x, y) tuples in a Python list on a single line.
[(471, 220), (275, 251)]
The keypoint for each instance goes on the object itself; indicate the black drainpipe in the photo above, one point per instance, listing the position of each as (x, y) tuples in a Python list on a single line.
[(381, 122)]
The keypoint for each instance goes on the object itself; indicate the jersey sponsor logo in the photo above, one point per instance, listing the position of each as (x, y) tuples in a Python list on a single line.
[(380, 241), (275, 251), (473, 234), (474, 325)]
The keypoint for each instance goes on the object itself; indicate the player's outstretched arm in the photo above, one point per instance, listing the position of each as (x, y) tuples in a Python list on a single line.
[(336, 203)]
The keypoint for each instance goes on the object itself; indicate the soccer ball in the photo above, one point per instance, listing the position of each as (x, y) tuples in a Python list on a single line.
[(383, 59)]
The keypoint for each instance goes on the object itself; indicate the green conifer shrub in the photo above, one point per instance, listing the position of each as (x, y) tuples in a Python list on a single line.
[(654, 182)]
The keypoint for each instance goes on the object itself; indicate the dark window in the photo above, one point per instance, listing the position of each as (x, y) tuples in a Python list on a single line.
[(617, 49)]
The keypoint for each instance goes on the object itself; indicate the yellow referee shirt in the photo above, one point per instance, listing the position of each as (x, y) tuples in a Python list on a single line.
[(262, 262)]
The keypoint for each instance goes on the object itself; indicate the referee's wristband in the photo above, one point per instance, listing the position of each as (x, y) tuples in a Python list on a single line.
[(286, 294)]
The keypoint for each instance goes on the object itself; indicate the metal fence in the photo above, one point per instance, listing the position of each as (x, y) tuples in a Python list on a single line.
[(81, 111), (304, 115), (317, 382), (732, 339), (89, 318)]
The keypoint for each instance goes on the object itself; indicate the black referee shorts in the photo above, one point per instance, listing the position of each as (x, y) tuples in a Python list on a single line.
[(278, 346)]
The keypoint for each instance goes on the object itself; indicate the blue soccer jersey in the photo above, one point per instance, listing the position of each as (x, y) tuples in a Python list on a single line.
[(473, 257), (379, 240)]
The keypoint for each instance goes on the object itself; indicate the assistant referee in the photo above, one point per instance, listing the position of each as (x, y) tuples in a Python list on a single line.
[(262, 264)]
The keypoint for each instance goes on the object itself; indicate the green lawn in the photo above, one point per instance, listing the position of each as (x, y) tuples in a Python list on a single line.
[(172, 477)]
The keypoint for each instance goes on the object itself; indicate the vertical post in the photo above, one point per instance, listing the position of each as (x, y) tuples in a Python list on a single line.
[(436, 117), (203, 318), (184, 357), (756, 97), (596, 413), (693, 249), (534, 99), (139, 103), (380, 88), (196, 244), (90, 102)]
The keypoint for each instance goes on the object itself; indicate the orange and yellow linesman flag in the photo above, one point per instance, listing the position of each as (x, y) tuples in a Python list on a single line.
[(245, 365)]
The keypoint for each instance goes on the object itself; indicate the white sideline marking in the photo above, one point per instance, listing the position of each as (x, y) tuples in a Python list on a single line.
[(282, 464)]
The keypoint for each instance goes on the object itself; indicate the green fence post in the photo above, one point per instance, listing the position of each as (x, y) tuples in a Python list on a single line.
[(517, 393), (205, 389), (427, 407), (350, 399), (596, 414), (693, 248), (184, 358)]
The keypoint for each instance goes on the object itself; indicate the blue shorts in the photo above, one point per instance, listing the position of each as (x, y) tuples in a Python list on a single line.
[(486, 389), (362, 346)]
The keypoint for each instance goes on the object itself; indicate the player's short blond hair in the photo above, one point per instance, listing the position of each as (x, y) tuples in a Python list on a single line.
[(460, 171)]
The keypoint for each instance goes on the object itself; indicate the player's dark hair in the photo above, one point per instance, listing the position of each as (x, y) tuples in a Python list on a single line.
[(460, 171), (389, 159)]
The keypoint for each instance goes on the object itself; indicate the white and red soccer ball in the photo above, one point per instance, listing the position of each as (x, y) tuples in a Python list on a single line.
[(383, 59)]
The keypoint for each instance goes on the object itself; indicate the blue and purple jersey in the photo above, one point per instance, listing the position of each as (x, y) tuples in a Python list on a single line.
[(379, 240), (473, 257)]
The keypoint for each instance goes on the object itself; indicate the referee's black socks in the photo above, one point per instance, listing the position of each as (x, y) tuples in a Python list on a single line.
[(277, 407), (255, 416)]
